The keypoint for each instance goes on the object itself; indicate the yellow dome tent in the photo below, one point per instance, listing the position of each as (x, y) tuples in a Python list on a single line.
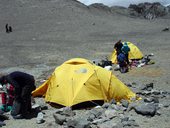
[(78, 80), (134, 53)]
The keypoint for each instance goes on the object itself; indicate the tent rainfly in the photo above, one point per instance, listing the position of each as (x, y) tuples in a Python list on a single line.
[(78, 80)]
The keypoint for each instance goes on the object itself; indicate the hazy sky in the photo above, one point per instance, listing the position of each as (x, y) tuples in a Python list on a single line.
[(122, 2)]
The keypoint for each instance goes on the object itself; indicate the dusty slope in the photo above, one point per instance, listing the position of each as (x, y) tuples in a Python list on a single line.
[(48, 32)]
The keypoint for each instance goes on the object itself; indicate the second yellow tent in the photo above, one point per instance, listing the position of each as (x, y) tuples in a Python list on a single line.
[(134, 53)]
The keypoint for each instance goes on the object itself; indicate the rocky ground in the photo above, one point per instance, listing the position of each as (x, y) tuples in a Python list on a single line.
[(48, 32)]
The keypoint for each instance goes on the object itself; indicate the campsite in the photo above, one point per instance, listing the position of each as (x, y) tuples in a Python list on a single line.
[(48, 34)]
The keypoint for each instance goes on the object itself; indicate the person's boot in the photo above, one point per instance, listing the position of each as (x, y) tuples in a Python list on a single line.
[(19, 116), (16, 110)]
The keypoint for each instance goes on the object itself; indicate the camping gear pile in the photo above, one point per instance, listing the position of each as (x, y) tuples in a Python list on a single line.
[(146, 60), (104, 63)]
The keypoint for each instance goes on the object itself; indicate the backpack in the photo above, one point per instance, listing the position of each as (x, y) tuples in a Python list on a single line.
[(121, 57), (125, 49)]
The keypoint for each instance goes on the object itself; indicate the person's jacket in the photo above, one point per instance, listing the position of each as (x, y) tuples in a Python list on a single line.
[(18, 80)]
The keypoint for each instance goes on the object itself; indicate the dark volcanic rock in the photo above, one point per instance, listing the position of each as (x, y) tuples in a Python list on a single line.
[(151, 99), (146, 109), (149, 10), (147, 87), (165, 29)]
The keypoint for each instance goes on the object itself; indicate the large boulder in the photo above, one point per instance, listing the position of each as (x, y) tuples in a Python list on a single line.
[(146, 109)]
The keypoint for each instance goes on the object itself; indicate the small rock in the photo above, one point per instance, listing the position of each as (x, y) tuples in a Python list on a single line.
[(166, 105), (96, 112), (35, 106), (99, 121), (155, 100), (106, 105), (71, 123), (59, 111), (133, 99), (78, 123), (124, 119), (110, 114), (40, 118), (125, 103), (115, 107), (146, 93), (159, 106), (68, 111), (91, 117), (130, 123), (44, 107), (83, 124), (165, 29), (129, 85), (59, 119), (158, 113), (110, 124), (113, 101), (147, 87), (134, 83), (98, 106), (164, 93), (155, 92), (93, 126), (150, 100)]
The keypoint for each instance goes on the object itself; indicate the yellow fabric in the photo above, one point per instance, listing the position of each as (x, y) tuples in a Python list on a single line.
[(134, 53), (78, 80)]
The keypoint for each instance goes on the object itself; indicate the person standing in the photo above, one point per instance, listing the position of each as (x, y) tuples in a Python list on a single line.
[(118, 47), (125, 50), (6, 28), (10, 29), (23, 84)]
